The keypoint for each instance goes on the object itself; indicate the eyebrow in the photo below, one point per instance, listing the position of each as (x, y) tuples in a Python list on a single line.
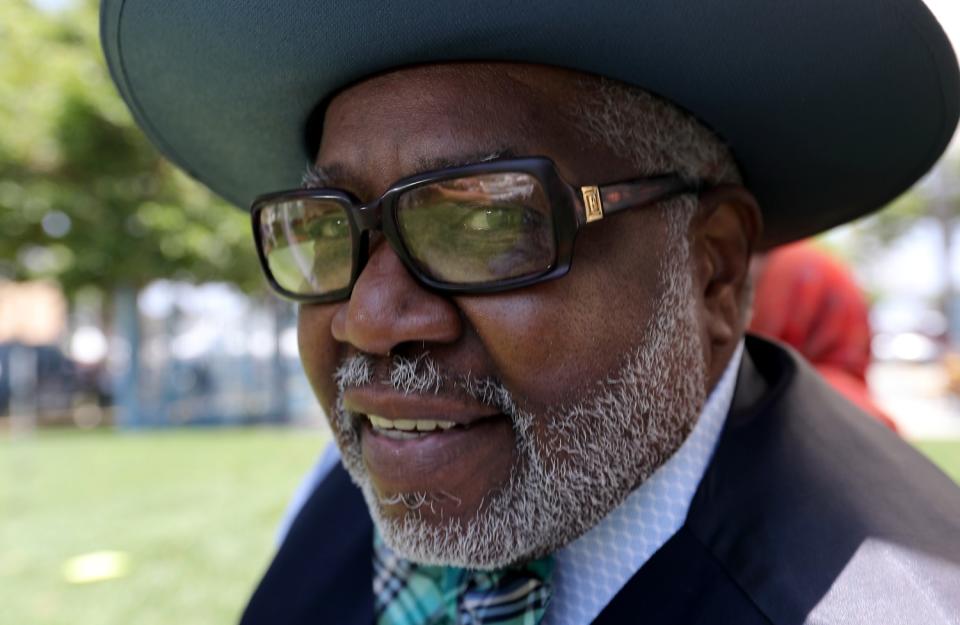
[(317, 176)]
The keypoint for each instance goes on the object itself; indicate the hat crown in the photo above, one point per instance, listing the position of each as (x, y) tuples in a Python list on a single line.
[(831, 109)]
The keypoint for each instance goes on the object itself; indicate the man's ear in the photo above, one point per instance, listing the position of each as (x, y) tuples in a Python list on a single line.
[(725, 232)]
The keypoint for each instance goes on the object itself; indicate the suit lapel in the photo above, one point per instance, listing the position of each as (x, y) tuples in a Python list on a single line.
[(681, 583)]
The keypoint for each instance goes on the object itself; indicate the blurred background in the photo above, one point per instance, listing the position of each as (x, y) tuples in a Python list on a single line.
[(154, 419)]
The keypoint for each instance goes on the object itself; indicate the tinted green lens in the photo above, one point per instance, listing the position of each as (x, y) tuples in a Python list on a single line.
[(479, 229), (308, 245)]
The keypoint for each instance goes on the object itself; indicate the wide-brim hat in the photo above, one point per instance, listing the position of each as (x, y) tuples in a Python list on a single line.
[(831, 109)]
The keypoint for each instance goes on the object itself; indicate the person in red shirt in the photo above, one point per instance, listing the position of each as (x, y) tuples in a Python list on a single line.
[(809, 300)]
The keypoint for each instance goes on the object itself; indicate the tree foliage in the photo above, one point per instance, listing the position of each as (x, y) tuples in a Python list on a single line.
[(84, 198)]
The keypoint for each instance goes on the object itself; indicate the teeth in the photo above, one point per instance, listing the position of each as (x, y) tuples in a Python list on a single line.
[(380, 422), (399, 435), (408, 425)]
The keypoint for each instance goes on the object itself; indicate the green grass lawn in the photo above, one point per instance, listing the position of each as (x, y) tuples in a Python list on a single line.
[(194, 512), (945, 454)]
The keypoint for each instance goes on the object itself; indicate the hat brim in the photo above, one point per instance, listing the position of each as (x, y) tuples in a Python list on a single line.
[(832, 109)]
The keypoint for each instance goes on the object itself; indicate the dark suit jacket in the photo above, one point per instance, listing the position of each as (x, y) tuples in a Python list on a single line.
[(809, 512)]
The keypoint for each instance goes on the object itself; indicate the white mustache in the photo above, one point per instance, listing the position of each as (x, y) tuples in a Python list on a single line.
[(422, 374)]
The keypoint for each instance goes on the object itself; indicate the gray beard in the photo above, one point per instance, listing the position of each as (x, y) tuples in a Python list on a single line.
[(596, 451)]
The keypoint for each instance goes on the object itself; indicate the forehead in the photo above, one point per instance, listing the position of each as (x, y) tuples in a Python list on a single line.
[(426, 117)]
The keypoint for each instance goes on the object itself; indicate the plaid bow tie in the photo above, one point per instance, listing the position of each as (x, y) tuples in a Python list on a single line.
[(406, 593)]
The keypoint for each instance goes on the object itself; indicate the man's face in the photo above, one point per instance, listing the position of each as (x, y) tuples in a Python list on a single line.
[(565, 394)]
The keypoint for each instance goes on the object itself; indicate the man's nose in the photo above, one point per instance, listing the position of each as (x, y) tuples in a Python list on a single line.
[(389, 307)]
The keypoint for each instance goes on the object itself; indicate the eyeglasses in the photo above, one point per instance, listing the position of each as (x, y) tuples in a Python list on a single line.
[(479, 228)]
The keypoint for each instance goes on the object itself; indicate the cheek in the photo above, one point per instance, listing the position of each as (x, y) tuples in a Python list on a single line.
[(554, 341), (528, 344), (319, 352)]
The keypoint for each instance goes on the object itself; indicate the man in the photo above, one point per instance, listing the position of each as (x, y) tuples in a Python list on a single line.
[(523, 279)]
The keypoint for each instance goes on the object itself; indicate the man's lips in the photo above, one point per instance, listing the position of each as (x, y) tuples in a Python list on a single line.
[(386, 403), (455, 461), (402, 458)]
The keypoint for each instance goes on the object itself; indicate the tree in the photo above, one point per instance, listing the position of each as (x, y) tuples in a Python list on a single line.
[(84, 198)]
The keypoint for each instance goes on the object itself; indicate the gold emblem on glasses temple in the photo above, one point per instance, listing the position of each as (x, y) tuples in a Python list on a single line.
[(592, 203)]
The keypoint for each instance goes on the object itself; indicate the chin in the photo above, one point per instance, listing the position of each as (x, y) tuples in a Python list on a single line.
[(483, 538)]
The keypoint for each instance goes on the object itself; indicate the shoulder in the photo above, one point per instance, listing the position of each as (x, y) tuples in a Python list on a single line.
[(820, 514)]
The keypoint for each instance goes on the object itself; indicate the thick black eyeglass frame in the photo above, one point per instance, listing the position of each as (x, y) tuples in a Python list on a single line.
[(572, 208)]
